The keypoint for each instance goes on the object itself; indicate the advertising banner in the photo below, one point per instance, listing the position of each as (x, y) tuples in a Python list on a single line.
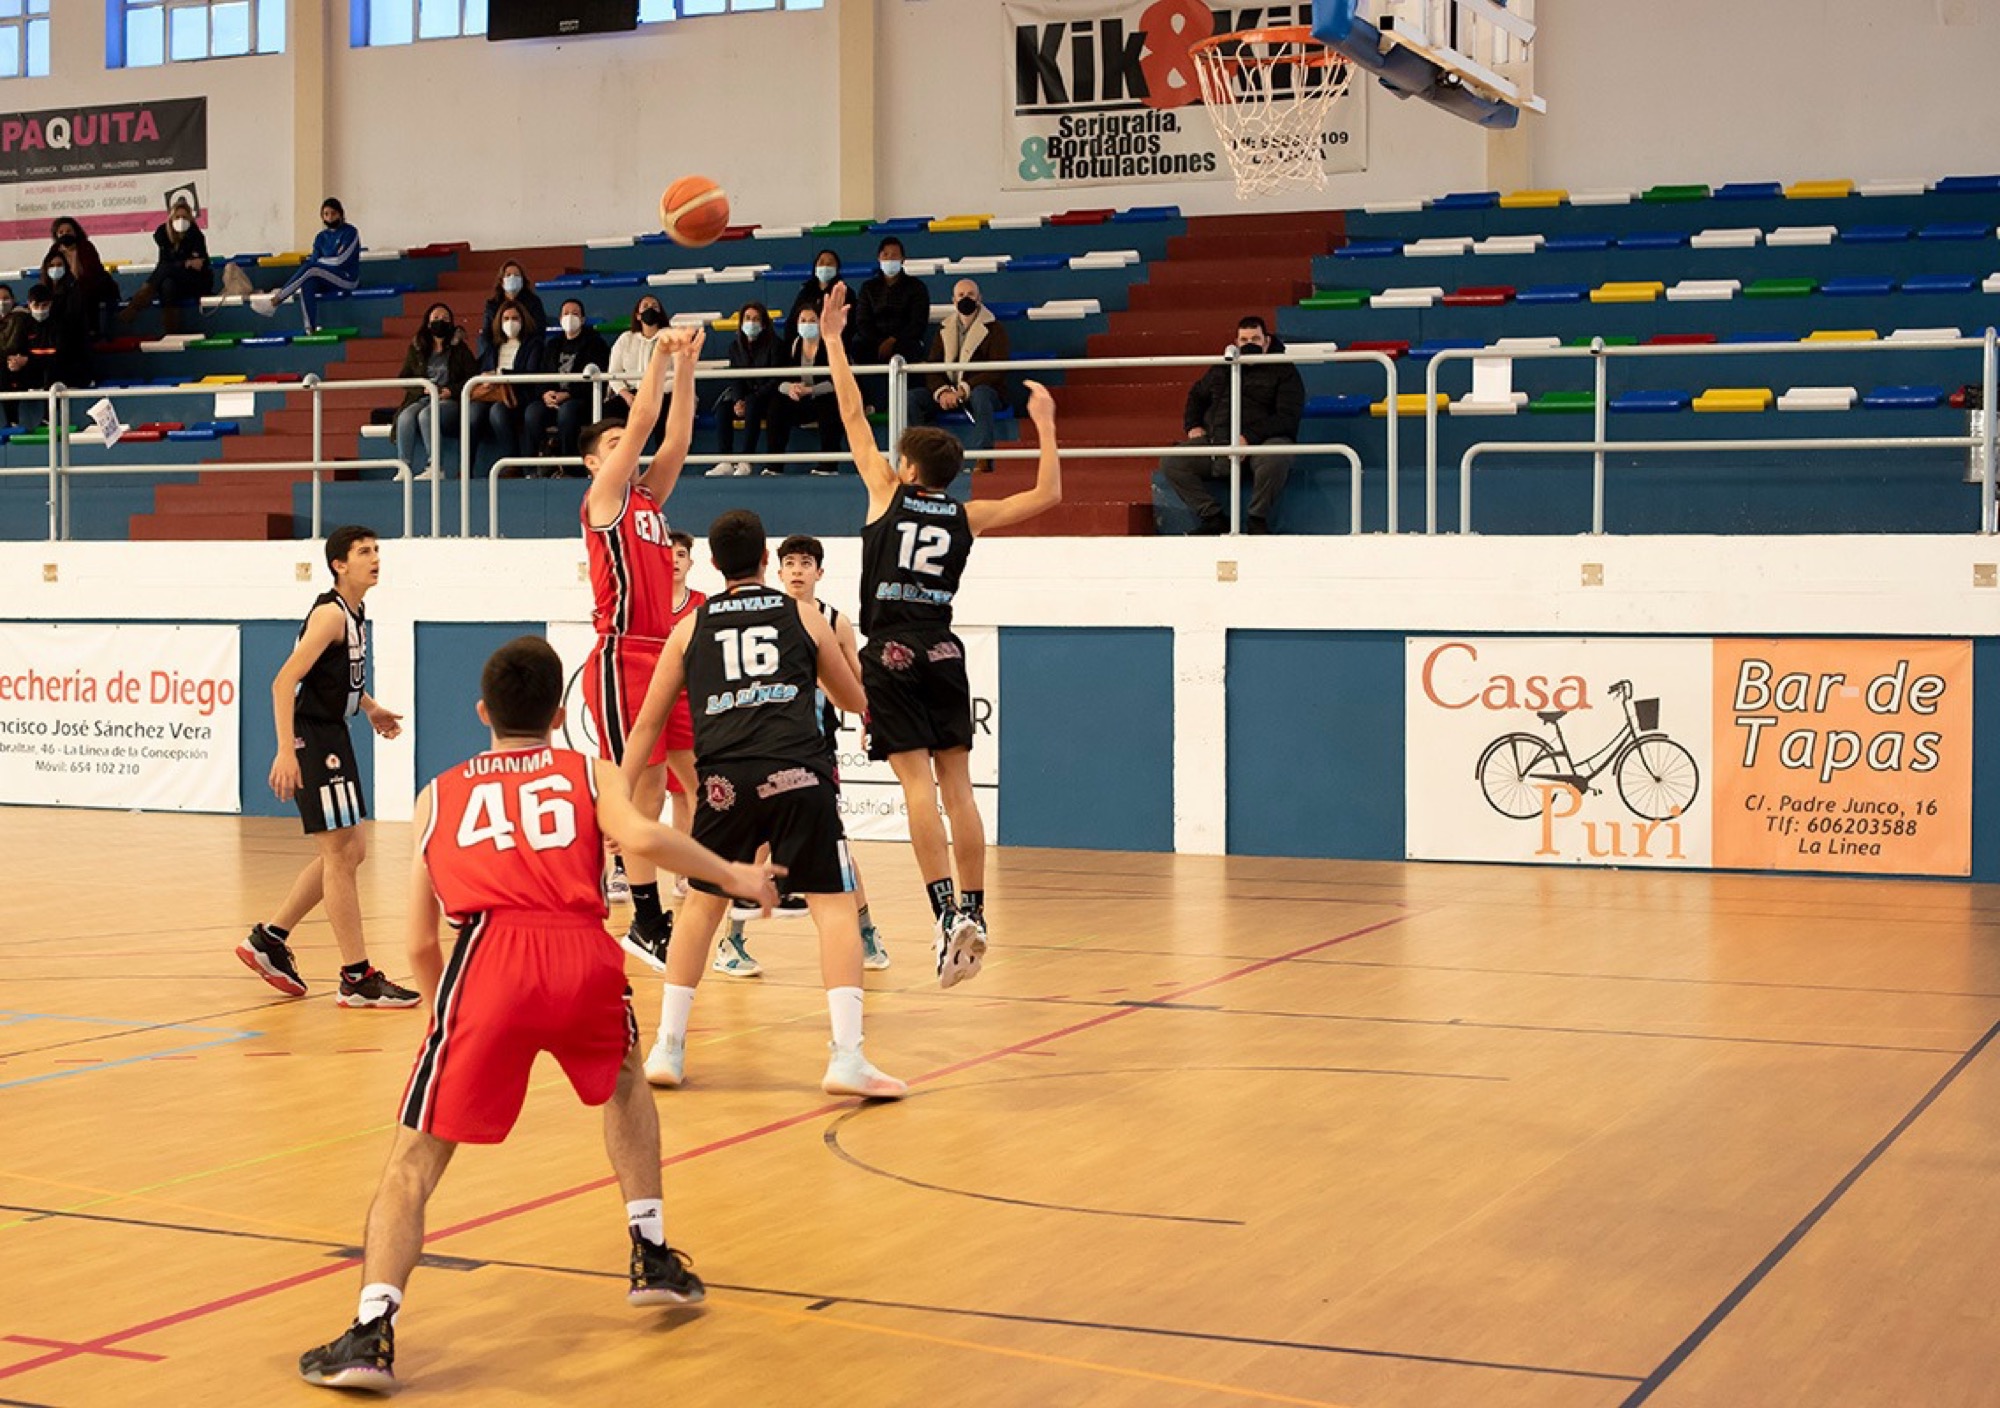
[(116, 169), (1102, 92), (131, 717), (1842, 756), (871, 800)]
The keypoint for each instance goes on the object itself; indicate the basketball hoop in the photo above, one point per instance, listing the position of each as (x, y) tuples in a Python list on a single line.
[(1268, 92)]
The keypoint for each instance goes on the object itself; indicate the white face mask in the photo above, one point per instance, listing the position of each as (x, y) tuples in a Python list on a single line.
[(512, 284), (55, 273), (41, 315), (511, 329), (182, 225), (572, 325)]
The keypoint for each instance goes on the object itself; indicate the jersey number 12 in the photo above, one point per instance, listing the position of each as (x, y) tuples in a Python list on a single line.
[(924, 547)]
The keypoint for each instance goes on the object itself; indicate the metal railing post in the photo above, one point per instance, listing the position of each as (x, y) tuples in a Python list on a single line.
[(436, 414), (1601, 365), (596, 393), (319, 446), (1235, 360), (1430, 444), (899, 402), (59, 436), (1990, 373), (55, 472), (1395, 451), (464, 399)]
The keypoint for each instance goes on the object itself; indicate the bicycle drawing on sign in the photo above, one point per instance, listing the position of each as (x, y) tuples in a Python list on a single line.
[(1657, 778)]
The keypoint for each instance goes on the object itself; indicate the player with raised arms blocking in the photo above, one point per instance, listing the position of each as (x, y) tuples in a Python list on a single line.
[(511, 851), (320, 687), (632, 585), (750, 659), (914, 547)]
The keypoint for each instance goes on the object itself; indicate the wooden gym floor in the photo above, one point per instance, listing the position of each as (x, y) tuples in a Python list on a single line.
[(1205, 1132)]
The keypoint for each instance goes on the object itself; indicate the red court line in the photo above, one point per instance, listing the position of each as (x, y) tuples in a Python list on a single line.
[(344, 1265), (66, 1344)]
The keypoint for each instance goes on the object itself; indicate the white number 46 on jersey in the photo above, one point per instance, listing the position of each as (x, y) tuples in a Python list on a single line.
[(547, 821)]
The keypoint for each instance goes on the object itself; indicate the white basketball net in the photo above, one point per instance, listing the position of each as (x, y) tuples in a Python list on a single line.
[(1268, 97)]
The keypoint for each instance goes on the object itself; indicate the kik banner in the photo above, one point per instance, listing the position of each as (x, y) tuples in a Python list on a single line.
[(871, 800), (131, 717), (116, 169), (1841, 756), (1103, 92)]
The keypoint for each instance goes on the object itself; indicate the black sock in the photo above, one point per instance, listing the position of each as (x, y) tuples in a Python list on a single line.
[(646, 904), (356, 971), (275, 932), (940, 891), (973, 902)]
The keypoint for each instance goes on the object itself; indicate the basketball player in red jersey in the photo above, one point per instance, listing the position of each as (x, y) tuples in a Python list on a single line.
[(511, 852), (633, 589)]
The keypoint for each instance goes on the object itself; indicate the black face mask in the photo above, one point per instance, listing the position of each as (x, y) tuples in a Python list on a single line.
[(968, 306), (440, 329), (67, 241), (652, 318)]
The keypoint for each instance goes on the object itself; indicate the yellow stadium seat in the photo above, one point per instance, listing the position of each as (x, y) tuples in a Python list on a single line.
[(1819, 190), (1634, 292), (728, 324), (281, 261), (1533, 200), (1734, 398), (956, 224), (219, 379), (1410, 403), (1844, 335)]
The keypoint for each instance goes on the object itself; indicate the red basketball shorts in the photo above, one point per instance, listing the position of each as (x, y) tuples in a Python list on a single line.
[(615, 680)]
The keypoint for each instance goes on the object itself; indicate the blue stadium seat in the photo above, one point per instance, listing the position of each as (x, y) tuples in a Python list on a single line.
[(1329, 407), (1651, 402), (1036, 263), (1553, 293), (1424, 351), (1875, 234), (1746, 190), (1904, 398), (1940, 283), (1369, 249), (1654, 239), (1146, 215), (1956, 230), (616, 280), (1576, 244), (1467, 200), (1858, 286), (1967, 185)]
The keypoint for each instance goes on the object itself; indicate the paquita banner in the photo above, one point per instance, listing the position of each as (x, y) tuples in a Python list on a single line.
[(871, 800), (1843, 756), (1103, 92), (116, 169), (131, 717)]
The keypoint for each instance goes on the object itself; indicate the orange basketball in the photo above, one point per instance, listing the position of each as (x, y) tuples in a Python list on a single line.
[(694, 211)]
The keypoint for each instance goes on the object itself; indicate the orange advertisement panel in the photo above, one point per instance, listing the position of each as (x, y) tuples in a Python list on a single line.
[(1843, 756)]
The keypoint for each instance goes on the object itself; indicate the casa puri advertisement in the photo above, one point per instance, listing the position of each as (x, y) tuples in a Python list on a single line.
[(1105, 93), (1843, 757)]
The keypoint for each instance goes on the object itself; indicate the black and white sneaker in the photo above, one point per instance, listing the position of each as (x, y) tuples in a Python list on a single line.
[(649, 945), (790, 907), (270, 958), (373, 989), (364, 1358), (662, 1276)]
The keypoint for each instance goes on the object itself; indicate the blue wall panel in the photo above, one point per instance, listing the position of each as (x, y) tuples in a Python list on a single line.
[(1087, 739), (264, 646), (1316, 744), (1986, 760), (449, 659)]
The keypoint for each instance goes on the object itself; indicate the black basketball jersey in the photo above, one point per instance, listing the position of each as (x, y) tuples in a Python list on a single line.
[(829, 717), (333, 687), (912, 558), (752, 677)]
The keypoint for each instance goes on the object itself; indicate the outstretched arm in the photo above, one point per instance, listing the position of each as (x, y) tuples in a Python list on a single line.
[(675, 850), (669, 679), (665, 470), (426, 957), (606, 495), (985, 515), (875, 470)]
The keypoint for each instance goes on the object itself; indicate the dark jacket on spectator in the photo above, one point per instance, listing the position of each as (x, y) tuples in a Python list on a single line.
[(57, 351), (766, 351), (530, 302), (338, 250), (460, 366), (1274, 400), (817, 382), (984, 341), (87, 275), (573, 354), (171, 279), (14, 330), (901, 310), (812, 294), (533, 357)]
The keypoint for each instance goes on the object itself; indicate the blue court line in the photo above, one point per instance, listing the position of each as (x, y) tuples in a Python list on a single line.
[(136, 1025), (131, 1060)]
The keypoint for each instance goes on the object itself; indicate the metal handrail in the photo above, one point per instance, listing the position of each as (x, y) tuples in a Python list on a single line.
[(404, 476), (1601, 444), (53, 470)]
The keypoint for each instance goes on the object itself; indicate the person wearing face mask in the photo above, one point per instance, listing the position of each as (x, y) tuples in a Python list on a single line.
[(629, 355), (826, 272), (437, 354), (969, 333), (69, 319), (54, 350), (566, 407), (1274, 401), (515, 347), (182, 274), (87, 279), (511, 282), (892, 316), (755, 347), (335, 264), (810, 397)]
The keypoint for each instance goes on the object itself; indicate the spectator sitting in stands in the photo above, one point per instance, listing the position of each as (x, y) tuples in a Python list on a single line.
[(438, 354), (69, 317), (812, 293), (810, 397), (89, 279), (628, 363), (892, 317), (182, 275), (335, 264), (1274, 400), (969, 333), (567, 407), (515, 347), (755, 347), (56, 351), (15, 371), (511, 282)]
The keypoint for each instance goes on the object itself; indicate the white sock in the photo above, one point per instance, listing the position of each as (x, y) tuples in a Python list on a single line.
[(647, 1218), (676, 1003), (379, 1299), (843, 1007)]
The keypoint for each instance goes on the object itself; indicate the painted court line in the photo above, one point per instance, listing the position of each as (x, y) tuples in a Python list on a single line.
[(343, 1267)]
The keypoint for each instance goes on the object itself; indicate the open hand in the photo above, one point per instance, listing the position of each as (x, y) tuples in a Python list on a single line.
[(384, 723), (833, 313), (757, 883)]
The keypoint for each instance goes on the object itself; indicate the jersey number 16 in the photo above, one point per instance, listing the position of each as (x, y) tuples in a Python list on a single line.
[(548, 823)]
